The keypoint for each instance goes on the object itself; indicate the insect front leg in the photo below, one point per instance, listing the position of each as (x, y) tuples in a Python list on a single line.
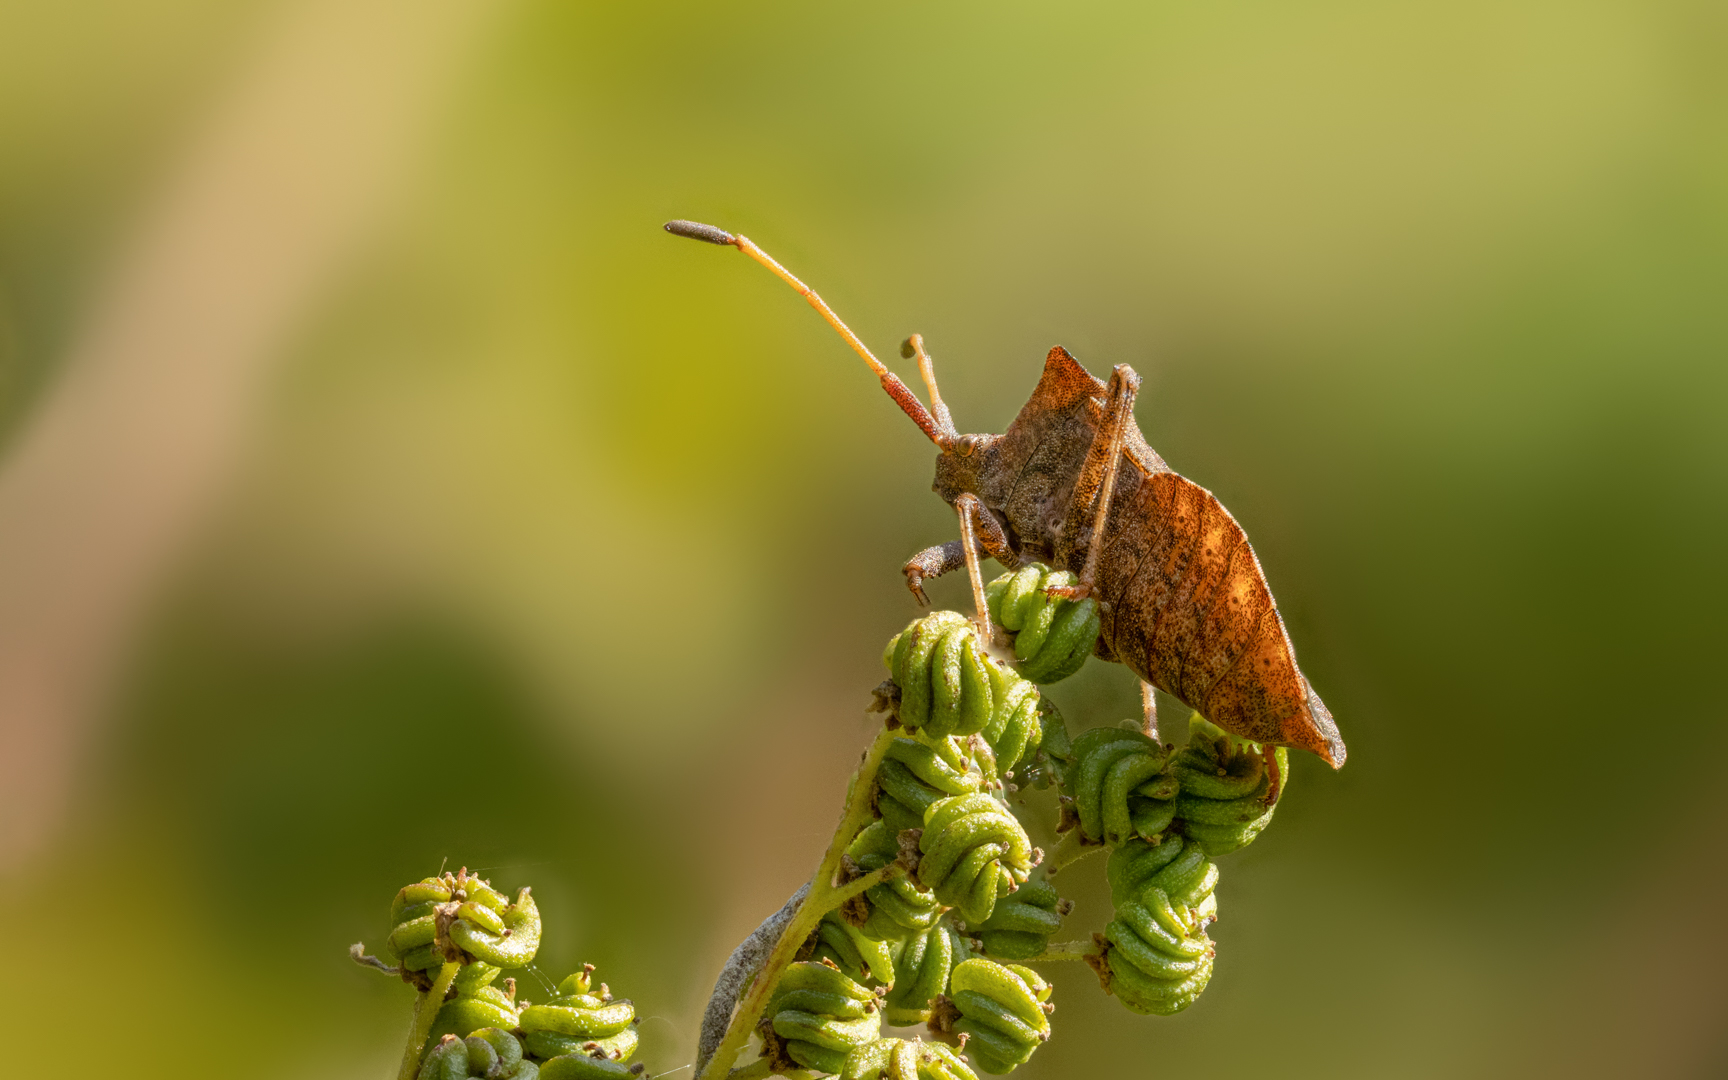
[(941, 559), (1096, 484)]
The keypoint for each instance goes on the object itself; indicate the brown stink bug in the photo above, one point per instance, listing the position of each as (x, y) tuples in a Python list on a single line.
[(1072, 483)]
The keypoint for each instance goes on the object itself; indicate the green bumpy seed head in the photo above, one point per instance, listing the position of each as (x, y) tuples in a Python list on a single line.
[(583, 1021), (817, 1016), (943, 673), (1052, 637), (490, 1052), (1002, 1009), (922, 964), (1157, 958), (1121, 785), (1224, 787), (459, 918), (1021, 926), (898, 907), (973, 853), (905, 1059), (477, 1004)]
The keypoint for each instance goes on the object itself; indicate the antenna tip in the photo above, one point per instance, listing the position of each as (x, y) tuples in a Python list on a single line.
[(695, 230), (906, 349)]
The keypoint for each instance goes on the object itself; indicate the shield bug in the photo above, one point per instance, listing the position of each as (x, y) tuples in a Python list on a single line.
[(1072, 483)]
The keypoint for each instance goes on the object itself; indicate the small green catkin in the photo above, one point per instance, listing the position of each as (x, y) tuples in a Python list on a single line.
[(476, 1003), (973, 853), (1002, 1009), (1157, 958), (1052, 637), (1224, 784), (1121, 785), (1021, 926), (581, 1020), (905, 1059), (922, 964), (461, 918), (491, 1052), (817, 1016)]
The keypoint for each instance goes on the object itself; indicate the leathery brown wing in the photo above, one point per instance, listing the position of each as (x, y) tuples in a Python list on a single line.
[(1184, 603)]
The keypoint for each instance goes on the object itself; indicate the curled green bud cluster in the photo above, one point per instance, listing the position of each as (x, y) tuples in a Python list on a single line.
[(1052, 637), (582, 1019), (1158, 958), (1226, 787), (1015, 728), (1021, 926), (943, 673), (918, 772), (949, 685), (905, 1059), (974, 852), (459, 918), (1120, 786), (1003, 1010), (921, 967), (491, 1052), (817, 1016), (476, 1003), (853, 950), (896, 907)]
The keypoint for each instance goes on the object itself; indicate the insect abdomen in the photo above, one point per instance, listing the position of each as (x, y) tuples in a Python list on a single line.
[(1190, 612)]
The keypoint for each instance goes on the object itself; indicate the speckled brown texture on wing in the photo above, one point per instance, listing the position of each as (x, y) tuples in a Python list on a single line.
[(1185, 603)]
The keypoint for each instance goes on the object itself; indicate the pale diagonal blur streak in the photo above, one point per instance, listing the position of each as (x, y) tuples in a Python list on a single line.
[(111, 477)]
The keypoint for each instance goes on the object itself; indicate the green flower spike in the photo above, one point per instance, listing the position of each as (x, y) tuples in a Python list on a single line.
[(1120, 786), (490, 1052), (477, 1004), (581, 1021), (1052, 638), (921, 967), (974, 853), (1023, 921), (816, 1017), (897, 907), (458, 917), (905, 1059), (943, 674), (1224, 788), (850, 949), (1003, 1011), (1158, 958)]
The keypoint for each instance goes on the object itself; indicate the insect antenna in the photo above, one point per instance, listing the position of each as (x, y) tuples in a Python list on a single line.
[(914, 346), (941, 434)]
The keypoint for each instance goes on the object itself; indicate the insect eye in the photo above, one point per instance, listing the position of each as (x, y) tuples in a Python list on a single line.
[(968, 445)]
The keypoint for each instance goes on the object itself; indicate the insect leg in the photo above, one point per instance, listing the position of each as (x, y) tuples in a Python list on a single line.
[(1148, 710), (1274, 778), (1096, 484), (933, 562)]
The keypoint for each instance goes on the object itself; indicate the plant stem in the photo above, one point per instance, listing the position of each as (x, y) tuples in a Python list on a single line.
[(1063, 950), (824, 897), (1069, 850), (426, 1008)]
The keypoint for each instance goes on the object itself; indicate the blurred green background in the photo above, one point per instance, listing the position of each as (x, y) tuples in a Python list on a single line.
[(499, 528)]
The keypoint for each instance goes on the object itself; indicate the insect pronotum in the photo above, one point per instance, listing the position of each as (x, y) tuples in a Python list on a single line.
[(1072, 483)]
